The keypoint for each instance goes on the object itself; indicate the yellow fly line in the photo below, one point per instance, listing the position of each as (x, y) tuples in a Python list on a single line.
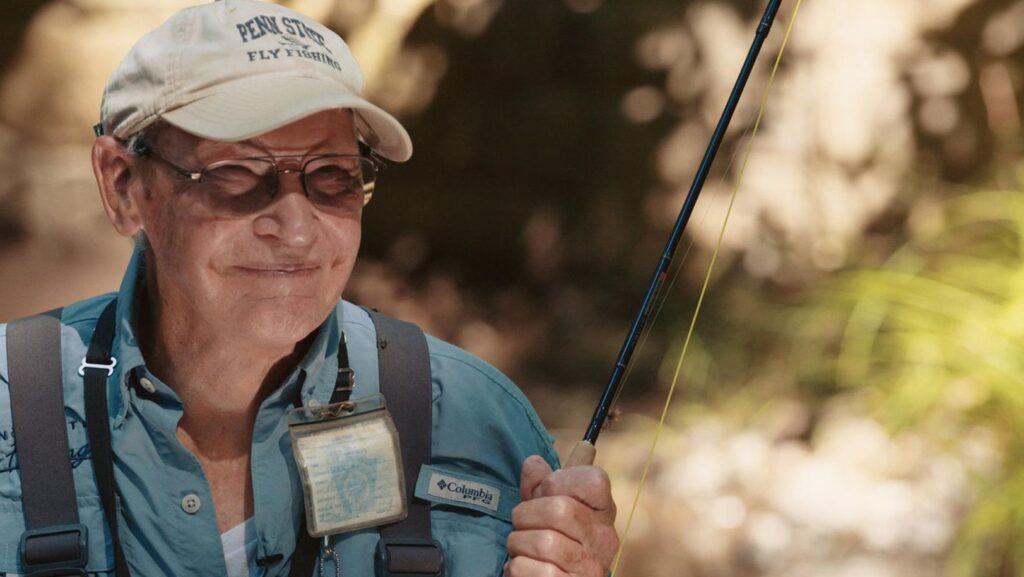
[(703, 293)]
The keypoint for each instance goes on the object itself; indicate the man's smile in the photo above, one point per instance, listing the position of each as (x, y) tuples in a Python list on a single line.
[(279, 270)]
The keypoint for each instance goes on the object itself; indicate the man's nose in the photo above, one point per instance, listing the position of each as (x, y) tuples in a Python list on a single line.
[(290, 217)]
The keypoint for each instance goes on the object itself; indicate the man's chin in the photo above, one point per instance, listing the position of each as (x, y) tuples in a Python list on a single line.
[(284, 321)]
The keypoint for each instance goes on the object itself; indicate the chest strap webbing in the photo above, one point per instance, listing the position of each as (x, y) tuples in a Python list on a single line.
[(54, 537)]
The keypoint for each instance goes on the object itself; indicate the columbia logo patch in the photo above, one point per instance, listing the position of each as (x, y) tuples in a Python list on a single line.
[(454, 489)]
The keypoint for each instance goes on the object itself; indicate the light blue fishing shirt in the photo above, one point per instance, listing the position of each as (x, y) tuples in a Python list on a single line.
[(483, 428)]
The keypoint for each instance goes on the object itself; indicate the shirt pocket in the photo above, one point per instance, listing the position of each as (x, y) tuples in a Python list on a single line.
[(100, 560), (471, 517)]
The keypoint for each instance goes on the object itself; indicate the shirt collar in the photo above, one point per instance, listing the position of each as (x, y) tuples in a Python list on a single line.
[(322, 354)]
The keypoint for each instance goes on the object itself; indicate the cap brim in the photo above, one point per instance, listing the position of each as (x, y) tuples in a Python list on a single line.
[(257, 104)]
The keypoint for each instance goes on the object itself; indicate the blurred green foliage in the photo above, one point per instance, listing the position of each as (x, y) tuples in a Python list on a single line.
[(934, 340)]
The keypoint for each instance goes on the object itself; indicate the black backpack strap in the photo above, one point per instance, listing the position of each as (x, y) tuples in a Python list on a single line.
[(97, 367), (406, 548), (54, 540)]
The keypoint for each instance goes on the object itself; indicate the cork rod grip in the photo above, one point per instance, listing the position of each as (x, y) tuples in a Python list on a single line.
[(583, 453)]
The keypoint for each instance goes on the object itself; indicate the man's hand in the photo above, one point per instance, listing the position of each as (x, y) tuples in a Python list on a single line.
[(564, 523)]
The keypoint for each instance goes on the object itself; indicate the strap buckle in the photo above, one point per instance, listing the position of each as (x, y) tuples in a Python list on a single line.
[(343, 385), (55, 550), (346, 379), (87, 365), (409, 557)]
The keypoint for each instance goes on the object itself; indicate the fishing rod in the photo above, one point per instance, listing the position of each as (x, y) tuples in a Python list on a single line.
[(584, 451)]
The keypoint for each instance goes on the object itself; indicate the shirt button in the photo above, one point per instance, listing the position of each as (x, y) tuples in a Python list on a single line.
[(191, 503), (147, 385)]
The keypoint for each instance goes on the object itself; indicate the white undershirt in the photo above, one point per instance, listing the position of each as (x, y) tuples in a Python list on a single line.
[(240, 549)]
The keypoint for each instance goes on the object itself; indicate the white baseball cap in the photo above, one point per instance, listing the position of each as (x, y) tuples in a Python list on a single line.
[(232, 69)]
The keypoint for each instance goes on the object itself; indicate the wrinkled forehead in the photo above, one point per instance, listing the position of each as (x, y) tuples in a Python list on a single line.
[(327, 131)]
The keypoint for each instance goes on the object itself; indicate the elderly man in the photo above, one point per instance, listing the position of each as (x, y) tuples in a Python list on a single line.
[(235, 148)]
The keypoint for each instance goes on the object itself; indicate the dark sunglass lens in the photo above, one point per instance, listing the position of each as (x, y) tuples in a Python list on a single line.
[(240, 188), (337, 181)]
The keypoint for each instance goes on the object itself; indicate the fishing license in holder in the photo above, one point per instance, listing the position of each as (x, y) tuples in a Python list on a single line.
[(350, 463)]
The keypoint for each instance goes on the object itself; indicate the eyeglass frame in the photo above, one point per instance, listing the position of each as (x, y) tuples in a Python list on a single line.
[(142, 149)]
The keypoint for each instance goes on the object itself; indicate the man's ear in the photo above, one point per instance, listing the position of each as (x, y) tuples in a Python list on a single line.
[(117, 175)]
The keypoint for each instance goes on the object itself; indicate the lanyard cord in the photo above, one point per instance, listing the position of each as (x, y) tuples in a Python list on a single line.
[(98, 426)]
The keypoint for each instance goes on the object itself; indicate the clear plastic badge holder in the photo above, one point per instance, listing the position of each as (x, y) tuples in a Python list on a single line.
[(350, 464)]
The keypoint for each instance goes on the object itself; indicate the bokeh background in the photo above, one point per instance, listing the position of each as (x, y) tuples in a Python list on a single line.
[(852, 404)]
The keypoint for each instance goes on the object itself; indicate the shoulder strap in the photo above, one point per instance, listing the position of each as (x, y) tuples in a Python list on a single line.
[(54, 538), (407, 548)]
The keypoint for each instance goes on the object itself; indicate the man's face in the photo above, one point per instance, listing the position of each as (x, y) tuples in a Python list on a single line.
[(272, 276)]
